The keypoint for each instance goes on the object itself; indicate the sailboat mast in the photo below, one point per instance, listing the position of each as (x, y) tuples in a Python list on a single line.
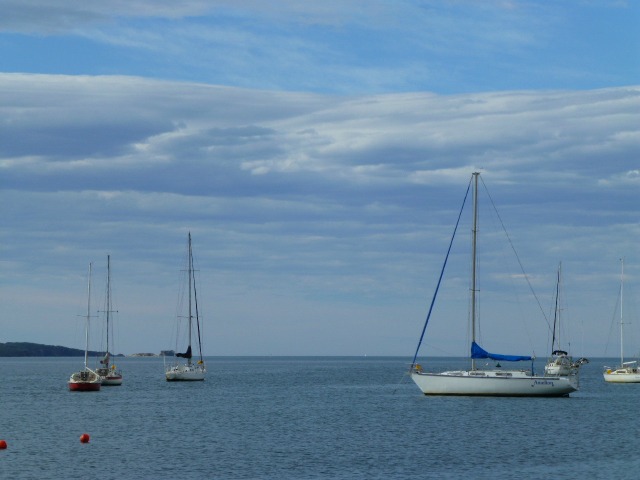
[(474, 263), (86, 328), (556, 314), (621, 317), (108, 304), (190, 280)]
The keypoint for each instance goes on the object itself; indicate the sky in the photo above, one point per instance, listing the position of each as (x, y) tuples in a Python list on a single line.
[(319, 154)]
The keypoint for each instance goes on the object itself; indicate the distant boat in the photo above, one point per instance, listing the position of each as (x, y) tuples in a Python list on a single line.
[(479, 382), (626, 372), (189, 371), (86, 380), (560, 362), (109, 375)]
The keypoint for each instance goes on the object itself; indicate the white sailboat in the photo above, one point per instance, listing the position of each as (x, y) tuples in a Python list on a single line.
[(560, 362), (85, 380), (189, 371), (480, 382), (109, 374), (626, 372)]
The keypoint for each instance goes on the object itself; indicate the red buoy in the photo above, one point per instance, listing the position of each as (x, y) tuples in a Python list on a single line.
[(3, 444), (84, 438)]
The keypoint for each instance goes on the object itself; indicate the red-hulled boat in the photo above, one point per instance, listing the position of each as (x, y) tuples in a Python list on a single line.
[(86, 380)]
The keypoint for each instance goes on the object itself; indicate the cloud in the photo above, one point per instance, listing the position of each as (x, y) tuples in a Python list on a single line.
[(298, 201), (624, 179), (343, 47)]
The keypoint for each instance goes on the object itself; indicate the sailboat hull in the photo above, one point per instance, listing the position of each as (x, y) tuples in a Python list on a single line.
[(112, 380), (185, 373), (622, 376), (559, 370), (561, 365), (84, 381), (109, 377), (84, 386), (503, 383)]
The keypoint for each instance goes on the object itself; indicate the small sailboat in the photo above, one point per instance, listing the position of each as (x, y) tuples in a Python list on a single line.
[(109, 374), (560, 362), (626, 372), (485, 382), (86, 380), (189, 371)]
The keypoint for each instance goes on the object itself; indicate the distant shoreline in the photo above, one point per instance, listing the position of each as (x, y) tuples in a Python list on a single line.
[(27, 349)]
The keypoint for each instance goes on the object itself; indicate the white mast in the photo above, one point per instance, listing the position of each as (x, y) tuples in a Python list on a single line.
[(473, 263), (556, 317), (621, 318), (86, 328), (108, 304), (190, 278)]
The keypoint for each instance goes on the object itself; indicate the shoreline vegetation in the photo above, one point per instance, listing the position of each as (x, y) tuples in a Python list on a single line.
[(27, 349)]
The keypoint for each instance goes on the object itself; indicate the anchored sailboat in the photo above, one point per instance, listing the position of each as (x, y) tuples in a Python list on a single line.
[(85, 380), (109, 374), (626, 372), (560, 362), (499, 382), (189, 371)]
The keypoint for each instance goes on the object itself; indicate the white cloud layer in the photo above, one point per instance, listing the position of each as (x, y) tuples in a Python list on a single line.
[(318, 152), (319, 222)]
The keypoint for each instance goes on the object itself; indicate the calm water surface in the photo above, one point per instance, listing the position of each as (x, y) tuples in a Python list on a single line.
[(305, 418)]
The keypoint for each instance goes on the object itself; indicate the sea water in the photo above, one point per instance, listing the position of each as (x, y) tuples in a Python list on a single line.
[(305, 418)]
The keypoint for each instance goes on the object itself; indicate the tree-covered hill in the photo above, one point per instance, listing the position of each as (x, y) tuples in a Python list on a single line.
[(26, 349)]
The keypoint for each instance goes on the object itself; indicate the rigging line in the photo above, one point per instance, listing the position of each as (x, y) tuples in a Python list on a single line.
[(555, 315), (195, 299), (183, 302), (516, 254), (435, 294), (402, 380), (613, 322)]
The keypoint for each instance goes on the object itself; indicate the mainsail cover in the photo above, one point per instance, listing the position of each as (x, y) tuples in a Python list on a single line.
[(105, 359), (478, 352), (187, 354)]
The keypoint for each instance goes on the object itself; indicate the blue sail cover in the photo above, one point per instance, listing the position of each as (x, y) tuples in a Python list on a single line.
[(478, 352)]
